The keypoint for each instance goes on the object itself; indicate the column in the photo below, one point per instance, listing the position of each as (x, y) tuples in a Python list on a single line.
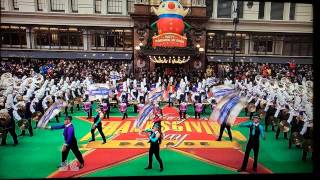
[(215, 9), (85, 40), (104, 4), (124, 7), (286, 11), (246, 44), (47, 7), (28, 38), (67, 6), (267, 10)]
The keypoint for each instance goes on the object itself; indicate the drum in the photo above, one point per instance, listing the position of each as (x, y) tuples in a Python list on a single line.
[(123, 107), (183, 107), (140, 107), (284, 126), (199, 107), (86, 106), (104, 107)]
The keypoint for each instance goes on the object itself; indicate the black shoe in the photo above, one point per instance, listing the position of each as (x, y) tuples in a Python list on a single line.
[(218, 139), (81, 166), (22, 134), (92, 140), (15, 144), (148, 167), (161, 169), (240, 170), (103, 142), (31, 135), (35, 127)]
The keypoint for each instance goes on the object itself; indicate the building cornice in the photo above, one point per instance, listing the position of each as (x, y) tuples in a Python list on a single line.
[(66, 19), (261, 26)]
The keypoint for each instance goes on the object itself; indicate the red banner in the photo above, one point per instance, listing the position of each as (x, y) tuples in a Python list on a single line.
[(169, 40)]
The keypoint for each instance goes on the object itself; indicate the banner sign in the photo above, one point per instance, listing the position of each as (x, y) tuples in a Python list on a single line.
[(98, 91), (169, 40)]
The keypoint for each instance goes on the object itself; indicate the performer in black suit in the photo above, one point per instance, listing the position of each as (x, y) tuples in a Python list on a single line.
[(256, 130), (27, 116), (70, 142)]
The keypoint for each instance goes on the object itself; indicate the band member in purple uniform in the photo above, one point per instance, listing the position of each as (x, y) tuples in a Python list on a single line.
[(70, 142)]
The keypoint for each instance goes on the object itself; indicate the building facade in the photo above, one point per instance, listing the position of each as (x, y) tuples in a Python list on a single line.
[(118, 29)]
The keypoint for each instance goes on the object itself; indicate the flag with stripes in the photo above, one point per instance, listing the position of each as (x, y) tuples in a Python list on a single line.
[(143, 116), (52, 111), (229, 105)]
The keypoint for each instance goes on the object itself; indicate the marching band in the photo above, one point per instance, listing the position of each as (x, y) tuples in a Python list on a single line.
[(283, 104)]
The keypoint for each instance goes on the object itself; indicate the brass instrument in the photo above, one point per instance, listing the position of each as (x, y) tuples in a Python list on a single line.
[(251, 107), (297, 138), (263, 103), (133, 102), (272, 120), (307, 145), (284, 126), (4, 117), (23, 124), (36, 115)]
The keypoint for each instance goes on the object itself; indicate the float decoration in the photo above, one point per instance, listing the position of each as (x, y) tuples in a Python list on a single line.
[(170, 25)]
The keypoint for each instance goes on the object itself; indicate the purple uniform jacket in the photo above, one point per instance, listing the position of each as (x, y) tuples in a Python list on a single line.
[(68, 133)]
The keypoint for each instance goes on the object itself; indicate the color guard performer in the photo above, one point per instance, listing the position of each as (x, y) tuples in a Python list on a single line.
[(98, 125), (155, 139), (183, 110), (123, 109)]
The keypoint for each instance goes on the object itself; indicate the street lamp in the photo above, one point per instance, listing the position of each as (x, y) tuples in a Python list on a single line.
[(236, 13)]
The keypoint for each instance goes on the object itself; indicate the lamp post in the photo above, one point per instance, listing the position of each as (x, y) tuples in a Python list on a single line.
[(236, 14)]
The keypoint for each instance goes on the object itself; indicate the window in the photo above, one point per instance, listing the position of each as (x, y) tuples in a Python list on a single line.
[(114, 6), (295, 45), (112, 40), (198, 2), (262, 44), (130, 6), (74, 5), (15, 5), (222, 43), (97, 6), (13, 36), (292, 11), (57, 5), (224, 8), (2, 4), (261, 10), (58, 38), (40, 5), (276, 11)]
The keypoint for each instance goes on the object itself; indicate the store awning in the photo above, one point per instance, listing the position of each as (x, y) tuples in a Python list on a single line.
[(65, 55), (260, 59)]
